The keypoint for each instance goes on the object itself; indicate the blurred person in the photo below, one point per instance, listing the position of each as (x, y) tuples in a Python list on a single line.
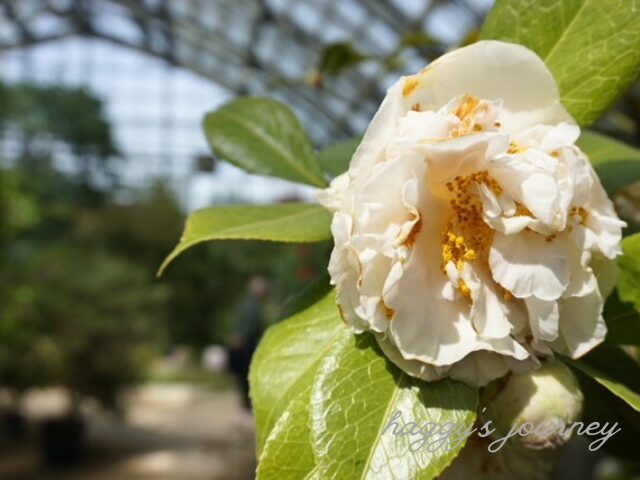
[(247, 331)]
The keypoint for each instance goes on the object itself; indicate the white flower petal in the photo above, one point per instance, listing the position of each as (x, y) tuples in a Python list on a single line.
[(332, 197), (527, 180), (606, 272), (602, 230), (543, 318), (479, 368), (581, 324), (421, 312), (489, 314), (549, 138), (491, 70), (527, 265), (414, 368), (380, 131)]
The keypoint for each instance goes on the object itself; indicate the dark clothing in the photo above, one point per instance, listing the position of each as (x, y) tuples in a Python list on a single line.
[(248, 328), (250, 321)]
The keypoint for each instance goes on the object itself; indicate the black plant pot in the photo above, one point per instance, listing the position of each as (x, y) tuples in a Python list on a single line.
[(13, 426), (62, 442)]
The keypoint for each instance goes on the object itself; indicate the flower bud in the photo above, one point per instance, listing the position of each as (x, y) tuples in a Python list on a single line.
[(544, 398)]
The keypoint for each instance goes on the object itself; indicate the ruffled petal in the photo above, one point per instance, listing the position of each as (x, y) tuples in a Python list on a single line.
[(489, 314), (581, 324), (414, 368), (528, 265), (529, 178), (544, 318), (602, 229)]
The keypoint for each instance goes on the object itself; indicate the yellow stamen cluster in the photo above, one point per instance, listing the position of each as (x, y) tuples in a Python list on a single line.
[(455, 249), (464, 289), (467, 111), (474, 234), (461, 186), (580, 212), (514, 148), (521, 210), (467, 107)]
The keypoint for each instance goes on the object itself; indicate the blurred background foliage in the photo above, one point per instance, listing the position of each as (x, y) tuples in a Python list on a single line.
[(81, 306)]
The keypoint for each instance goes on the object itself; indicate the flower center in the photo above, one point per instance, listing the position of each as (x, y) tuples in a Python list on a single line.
[(470, 107), (466, 237)]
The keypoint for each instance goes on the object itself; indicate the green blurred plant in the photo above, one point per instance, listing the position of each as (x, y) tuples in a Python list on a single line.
[(73, 313), (80, 305), (46, 122), (79, 318)]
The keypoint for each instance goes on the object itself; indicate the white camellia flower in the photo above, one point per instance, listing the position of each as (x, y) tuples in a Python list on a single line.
[(469, 224)]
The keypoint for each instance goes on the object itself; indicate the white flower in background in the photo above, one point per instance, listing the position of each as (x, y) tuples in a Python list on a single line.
[(469, 224)]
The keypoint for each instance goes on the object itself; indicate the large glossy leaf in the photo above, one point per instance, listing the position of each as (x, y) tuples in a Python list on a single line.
[(335, 159), (591, 46), (288, 454), (289, 222), (263, 136), (287, 358), (355, 396), (616, 163)]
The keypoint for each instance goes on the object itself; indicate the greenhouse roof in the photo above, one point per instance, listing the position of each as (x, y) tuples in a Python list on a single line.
[(290, 49)]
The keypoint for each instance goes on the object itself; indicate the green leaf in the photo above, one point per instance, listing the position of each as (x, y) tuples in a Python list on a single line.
[(602, 406), (287, 454), (615, 386), (602, 149), (623, 321), (311, 293), (592, 47), (335, 159), (286, 360), (338, 57), (418, 39), (616, 163), (629, 282), (263, 136), (355, 396), (616, 363), (288, 222), (621, 311)]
